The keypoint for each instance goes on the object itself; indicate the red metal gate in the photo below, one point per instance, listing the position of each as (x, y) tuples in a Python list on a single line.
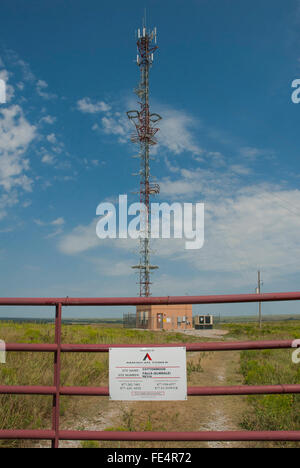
[(55, 434)]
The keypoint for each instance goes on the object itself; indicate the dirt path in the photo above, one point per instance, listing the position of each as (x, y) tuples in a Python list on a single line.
[(94, 414), (221, 413), (213, 334)]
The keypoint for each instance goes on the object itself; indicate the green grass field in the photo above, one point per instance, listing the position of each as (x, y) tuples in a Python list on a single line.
[(273, 367)]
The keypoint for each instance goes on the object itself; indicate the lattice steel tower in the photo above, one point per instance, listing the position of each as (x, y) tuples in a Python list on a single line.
[(144, 136)]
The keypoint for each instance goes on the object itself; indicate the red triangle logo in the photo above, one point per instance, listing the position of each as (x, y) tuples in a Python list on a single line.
[(147, 357)]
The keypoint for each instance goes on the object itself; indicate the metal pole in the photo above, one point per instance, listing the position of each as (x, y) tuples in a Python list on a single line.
[(57, 367), (259, 304)]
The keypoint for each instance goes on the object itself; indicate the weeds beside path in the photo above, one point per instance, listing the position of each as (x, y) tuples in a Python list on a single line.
[(269, 367)]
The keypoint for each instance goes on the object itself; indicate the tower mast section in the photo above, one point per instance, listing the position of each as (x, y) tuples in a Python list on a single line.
[(144, 136)]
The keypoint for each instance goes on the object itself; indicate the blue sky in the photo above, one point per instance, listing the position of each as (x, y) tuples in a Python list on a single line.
[(229, 137)]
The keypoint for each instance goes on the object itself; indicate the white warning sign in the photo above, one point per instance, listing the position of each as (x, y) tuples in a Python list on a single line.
[(147, 373)]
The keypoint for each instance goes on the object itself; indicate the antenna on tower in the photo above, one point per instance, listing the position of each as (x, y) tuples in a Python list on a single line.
[(145, 130)]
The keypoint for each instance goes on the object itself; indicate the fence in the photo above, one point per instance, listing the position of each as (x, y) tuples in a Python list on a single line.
[(151, 322), (57, 348), (145, 323)]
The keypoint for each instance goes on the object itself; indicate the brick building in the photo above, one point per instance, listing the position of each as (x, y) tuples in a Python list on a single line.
[(165, 317)]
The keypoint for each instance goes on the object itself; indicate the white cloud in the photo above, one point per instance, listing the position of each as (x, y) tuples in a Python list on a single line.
[(52, 138), (10, 92), (113, 268), (257, 227), (86, 106), (239, 169), (7, 200), (16, 134), (92, 163), (177, 132), (39, 222), (216, 158), (15, 131), (83, 238), (177, 188), (198, 183), (27, 73), (42, 84), (117, 125), (41, 88), (58, 222), (245, 229), (80, 239), (55, 233), (57, 147), (252, 153), (252, 229), (48, 159), (49, 119), (176, 127)]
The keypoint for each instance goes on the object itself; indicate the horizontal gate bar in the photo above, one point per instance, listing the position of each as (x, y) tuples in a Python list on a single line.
[(182, 436), (244, 390), (197, 391), (155, 436), (98, 348), (31, 347), (126, 301), (26, 390), (192, 391), (209, 346)]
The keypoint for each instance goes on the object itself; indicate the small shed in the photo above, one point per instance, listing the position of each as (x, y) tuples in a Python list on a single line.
[(204, 322), (165, 317)]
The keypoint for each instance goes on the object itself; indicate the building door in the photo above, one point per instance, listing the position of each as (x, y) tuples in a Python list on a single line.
[(159, 323)]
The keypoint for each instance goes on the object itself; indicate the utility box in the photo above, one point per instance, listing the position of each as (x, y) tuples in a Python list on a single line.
[(204, 322)]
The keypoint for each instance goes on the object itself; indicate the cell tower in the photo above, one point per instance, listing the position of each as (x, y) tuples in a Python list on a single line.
[(144, 136)]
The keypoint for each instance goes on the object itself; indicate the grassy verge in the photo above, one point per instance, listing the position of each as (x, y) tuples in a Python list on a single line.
[(273, 367)]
